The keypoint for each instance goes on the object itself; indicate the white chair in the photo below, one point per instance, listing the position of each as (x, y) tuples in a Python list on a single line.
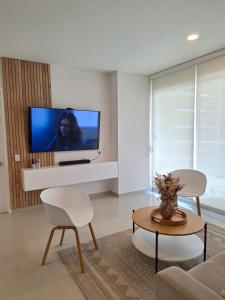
[(194, 184), (67, 208)]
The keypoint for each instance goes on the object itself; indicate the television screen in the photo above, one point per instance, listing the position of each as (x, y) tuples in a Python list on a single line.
[(53, 129)]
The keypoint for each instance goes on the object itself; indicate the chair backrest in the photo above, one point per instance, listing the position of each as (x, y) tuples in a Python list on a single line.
[(67, 206), (194, 182)]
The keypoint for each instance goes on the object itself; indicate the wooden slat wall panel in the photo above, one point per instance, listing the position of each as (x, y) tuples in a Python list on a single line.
[(25, 84)]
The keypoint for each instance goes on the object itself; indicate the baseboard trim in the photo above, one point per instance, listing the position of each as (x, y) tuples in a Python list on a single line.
[(133, 192), (102, 194)]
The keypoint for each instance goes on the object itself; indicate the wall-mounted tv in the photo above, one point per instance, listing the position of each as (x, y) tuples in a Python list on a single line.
[(54, 129)]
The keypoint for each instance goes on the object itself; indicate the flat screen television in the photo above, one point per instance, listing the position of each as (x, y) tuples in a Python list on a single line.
[(54, 129)]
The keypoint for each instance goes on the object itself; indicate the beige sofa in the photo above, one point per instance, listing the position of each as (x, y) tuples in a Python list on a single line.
[(204, 282)]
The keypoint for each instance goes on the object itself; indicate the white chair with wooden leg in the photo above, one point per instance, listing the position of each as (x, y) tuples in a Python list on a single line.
[(68, 208), (194, 184)]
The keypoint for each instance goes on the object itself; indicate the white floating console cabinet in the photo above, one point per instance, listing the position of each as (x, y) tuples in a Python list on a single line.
[(36, 179)]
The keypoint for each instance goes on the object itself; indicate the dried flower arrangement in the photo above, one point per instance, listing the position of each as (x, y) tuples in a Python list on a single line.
[(167, 186)]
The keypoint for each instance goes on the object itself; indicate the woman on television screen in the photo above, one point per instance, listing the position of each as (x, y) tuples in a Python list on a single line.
[(69, 135)]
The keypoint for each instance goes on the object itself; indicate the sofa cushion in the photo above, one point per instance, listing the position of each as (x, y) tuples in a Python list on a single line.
[(211, 274), (174, 283), (219, 259)]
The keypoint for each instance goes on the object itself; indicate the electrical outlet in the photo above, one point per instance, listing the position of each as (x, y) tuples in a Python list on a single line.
[(17, 157)]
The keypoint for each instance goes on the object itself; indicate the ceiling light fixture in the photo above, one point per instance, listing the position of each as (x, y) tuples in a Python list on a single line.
[(192, 37)]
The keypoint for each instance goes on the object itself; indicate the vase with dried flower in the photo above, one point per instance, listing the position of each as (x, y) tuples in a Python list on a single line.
[(167, 186)]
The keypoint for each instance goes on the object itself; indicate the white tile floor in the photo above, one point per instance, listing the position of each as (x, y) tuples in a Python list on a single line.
[(23, 236)]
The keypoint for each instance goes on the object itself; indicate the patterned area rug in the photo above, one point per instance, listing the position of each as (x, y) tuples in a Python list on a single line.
[(118, 271)]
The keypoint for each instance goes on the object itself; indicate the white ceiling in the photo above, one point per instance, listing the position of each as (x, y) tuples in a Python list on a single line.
[(138, 36)]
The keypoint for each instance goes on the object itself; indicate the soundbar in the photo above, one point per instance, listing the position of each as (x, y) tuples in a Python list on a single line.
[(74, 162)]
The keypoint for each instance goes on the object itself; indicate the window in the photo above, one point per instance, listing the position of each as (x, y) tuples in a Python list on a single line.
[(173, 117), (188, 125), (211, 129)]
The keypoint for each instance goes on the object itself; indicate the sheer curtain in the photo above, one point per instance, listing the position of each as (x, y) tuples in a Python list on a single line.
[(173, 121), (211, 129)]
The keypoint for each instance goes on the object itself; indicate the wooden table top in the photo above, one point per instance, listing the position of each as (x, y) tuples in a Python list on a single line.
[(142, 218)]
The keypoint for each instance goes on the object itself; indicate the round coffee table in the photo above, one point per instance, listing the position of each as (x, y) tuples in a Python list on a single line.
[(176, 243)]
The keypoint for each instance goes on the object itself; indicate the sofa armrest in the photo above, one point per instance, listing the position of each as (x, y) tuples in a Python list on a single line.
[(175, 284)]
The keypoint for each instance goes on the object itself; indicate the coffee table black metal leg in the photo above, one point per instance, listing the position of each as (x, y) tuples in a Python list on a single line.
[(156, 251), (133, 224), (205, 240)]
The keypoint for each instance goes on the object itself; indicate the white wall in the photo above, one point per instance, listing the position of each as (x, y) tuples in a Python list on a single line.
[(123, 100), (114, 123), (113, 92), (85, 90), (133, 129)]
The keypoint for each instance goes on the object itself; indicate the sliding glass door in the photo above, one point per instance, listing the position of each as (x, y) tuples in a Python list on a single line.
[(172, 121), (211, 130), (188, 125)]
